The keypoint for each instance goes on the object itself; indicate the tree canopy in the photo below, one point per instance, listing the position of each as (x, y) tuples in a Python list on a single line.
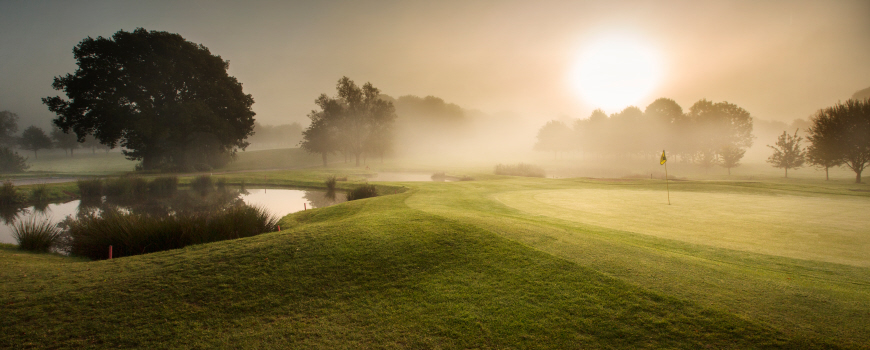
[(169, 102), (8, 127)]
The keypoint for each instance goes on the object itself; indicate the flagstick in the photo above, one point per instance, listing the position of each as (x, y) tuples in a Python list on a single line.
[(666, 183)]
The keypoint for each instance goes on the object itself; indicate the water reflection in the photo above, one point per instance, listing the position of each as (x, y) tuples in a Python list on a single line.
[(279, 202)]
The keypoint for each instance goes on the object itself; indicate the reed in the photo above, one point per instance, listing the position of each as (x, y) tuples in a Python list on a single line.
[(363, 191), (39, 194), (163, 186), (8, 194), (202, 184), (36, 235), (330, 183), (90, 188), (134, 234)]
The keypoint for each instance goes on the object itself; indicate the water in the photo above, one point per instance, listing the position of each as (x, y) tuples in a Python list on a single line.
[(279, 202)]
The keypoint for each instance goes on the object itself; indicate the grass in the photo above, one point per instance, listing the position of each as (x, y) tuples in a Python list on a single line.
[(90, 188), (36, 235), (502, 262)]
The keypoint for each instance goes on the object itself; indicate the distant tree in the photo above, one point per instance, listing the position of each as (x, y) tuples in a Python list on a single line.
[(351, 121), (719, 124), (11, 162), (842, 133), (286, 135), (156, 94), (8, 127), (787, 153), (34, 139), (862, 94), (729, 157), (65, 141), (92, 143), (554, 137), (706, 158)]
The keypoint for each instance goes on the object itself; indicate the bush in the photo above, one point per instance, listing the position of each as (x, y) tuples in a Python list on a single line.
[(90, 188), (520, 169), (36, 235), (11, 162), (163, 186), (364, 191), (133, 234), (125, 186), (8, 194), (202, 184)]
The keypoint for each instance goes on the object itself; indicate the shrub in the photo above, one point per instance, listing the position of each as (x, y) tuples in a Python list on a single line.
[(202, 184), (520, 169), (11, 162), (90, 188), (363, 191), (221, 184), (36, 235), (125, 186), (134, 234), (163, 186), (8, 194)]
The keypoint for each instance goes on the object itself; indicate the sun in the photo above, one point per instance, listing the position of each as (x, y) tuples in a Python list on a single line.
[(614, 72)]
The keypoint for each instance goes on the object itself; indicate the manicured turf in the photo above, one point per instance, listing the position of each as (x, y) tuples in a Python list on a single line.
[(457, 265)]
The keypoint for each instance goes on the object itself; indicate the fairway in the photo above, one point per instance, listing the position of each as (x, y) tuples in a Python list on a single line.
[(831, 229)]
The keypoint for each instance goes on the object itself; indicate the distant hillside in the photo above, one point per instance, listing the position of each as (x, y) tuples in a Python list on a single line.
[(862, 94)]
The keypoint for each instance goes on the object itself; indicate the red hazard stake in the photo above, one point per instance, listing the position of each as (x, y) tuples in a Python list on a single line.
[(110, 252), (279, 227), (305, 205)]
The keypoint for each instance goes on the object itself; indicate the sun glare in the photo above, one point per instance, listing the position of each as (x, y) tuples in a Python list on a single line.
[(615, 72)]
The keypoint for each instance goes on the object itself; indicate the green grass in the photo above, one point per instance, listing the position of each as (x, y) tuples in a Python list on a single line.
[(83, 163), (500, 263)]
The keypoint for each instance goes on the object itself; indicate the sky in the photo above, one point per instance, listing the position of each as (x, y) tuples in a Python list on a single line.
[(780, 60)]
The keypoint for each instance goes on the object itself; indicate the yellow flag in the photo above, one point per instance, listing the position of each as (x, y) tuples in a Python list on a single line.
[(664, 159)]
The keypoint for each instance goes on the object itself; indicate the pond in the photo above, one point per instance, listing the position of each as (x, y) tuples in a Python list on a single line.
[(277, 201)]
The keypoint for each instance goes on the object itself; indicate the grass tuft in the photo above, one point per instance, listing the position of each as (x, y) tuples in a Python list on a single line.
[(36, 235), (90, 188), (202, 184), (8, 194), (163, 186)]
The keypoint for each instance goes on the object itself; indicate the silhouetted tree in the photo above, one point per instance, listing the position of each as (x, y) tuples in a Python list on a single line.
[(34, 139), (154, 93), (787, 153), (92, 143), (842, 133), (8, 127), (554, 137), (65, 141), (287, 135), (729, 157), (823, 151)]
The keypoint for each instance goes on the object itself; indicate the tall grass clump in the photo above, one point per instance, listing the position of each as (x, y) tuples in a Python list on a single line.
[(133, 234), (363, 191), (330, 183), (8, 194), (90, 188), (39, 193), (520, 169), (202, 184), (163, 186), (36, 235)]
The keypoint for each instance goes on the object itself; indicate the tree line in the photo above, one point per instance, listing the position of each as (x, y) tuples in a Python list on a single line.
[(708, 134), (839, 136)]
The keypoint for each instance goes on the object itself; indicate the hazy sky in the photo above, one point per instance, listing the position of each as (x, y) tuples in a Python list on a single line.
[(778, 59)]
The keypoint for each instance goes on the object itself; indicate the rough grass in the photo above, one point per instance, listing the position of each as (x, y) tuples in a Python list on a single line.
[(36, 234), (362, 191), (444, 265), (520, 169)]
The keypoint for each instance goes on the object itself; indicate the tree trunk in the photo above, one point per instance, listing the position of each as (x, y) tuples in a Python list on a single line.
[(35, 155), (356, 155), (323, 154), (826, 174), (71, 153), (786, 172), (729, 171), (858, 176)]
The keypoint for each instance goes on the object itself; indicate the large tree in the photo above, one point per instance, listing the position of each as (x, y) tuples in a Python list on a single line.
[(841, 133), (157, 95), (34, 139), (554, 137), (354, 121), (787, 152)]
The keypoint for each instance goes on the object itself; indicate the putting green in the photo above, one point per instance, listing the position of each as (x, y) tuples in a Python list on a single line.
[(833, 229)]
